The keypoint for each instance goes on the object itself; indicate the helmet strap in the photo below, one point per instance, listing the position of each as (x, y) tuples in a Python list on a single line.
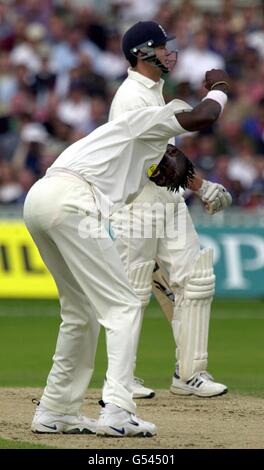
[(157, 63)]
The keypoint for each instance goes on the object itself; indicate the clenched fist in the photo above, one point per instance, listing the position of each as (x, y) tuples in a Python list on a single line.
[(214, 76), (214, 196)]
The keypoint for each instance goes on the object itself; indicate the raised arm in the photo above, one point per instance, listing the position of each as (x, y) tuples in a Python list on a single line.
[(207, 112)]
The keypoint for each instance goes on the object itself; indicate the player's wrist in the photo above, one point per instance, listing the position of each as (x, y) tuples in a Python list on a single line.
[(203, 188), (195, 183), (221, 85), (205, 193), (217, 95)]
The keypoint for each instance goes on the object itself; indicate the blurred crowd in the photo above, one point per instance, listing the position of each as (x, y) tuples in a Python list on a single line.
[(61, 63)]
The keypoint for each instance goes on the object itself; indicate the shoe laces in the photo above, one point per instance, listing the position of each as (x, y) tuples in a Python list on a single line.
[(205, 375), (133, 417), (137, 380)]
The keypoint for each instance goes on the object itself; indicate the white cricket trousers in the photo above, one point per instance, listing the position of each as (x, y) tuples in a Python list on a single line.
[(62, 217)]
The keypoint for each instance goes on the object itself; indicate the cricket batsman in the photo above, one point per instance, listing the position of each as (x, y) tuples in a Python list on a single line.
[(183, 279)]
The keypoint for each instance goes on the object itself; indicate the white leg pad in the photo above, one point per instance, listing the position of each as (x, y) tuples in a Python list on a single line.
[(140, 278), (195, 315)]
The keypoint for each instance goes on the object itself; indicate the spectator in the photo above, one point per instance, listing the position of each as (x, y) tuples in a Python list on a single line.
[(28, 151), (66, 55), (111, 63), (27, 53), (255, 39), (10, 189), (98, 115), (8, 83), (242, 168), (26, 179), (130, 11), (75, 110), (61, 63), (254, 127), (256, 192)]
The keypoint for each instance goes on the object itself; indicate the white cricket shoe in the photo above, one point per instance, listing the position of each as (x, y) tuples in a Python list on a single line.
[(117, 422), (201, 384), (47, 421), (138, 389)]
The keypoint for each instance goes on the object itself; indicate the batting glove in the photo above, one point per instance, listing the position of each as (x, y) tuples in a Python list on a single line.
[(214, 196)]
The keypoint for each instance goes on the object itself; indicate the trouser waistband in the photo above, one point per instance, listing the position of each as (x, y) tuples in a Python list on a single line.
[(58, 170)]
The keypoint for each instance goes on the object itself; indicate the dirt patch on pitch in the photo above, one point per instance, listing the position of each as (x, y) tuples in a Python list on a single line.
[(230, 421)]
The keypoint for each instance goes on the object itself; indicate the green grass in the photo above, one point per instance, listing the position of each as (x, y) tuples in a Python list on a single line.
[(8, 444), (28, 331)]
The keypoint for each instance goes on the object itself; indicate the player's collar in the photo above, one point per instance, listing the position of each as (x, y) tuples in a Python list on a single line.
[(144, 80)]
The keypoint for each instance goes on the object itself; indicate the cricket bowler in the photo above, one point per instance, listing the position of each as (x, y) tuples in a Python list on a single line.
[(67, 214)]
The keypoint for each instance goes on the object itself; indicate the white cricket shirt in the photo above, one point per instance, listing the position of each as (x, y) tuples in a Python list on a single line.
[(138, 91), (115, 157)]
